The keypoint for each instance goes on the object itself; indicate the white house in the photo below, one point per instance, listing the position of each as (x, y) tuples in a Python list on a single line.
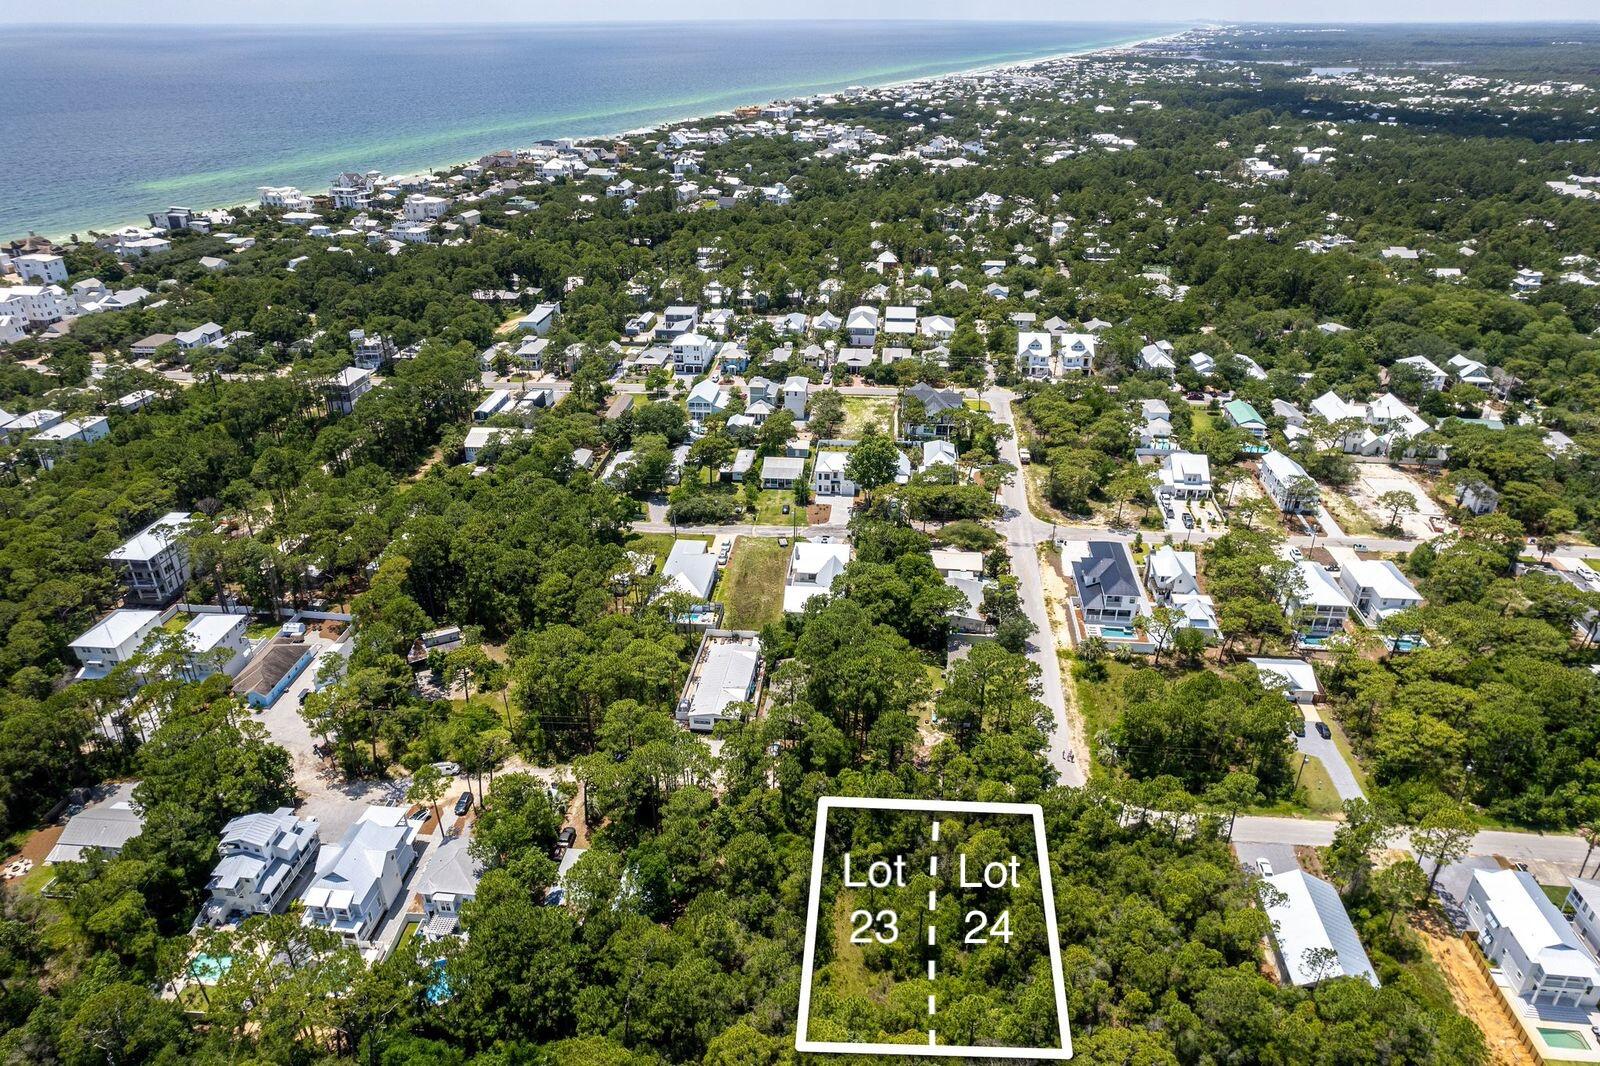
[(38, 305), (1584, 900), (345, 388), (781, 471), (1431, 376), (690, 569), (1075, 354), (1172, 578), (724, 675), (359, 878), (1470, 372), (828, 476), (540, 319), (796, 395), (1317, 604), (1521, 932), (1376, 587), (706, 399), (938, 452), (1185, 476), (900, 320), (1295, 678), (1287, 483), (419, 207), (692, 352), (813, 568), (154, 563), (1154, 357), (1035, 356), (114, 639), (1312, 935), (41, 267), (216, 641), (262, 857), (200, 337)]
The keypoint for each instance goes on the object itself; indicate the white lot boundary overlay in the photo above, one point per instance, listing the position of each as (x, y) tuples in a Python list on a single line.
[(814, 901)]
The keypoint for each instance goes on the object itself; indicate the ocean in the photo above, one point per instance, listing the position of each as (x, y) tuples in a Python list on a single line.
[(102, 125)]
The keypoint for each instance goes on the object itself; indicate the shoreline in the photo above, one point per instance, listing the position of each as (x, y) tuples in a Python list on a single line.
[(85, 230)]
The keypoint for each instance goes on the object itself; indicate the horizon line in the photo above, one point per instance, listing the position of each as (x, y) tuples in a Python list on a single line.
[(468, 23)]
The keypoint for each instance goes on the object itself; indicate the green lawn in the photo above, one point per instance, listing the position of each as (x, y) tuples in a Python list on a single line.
[(751, 586), (769, 508), (1200, 420), (862, 413), (1557, 894), (1320, 796)]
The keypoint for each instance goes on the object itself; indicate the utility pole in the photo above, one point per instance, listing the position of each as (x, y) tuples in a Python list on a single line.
[(1304, 758)]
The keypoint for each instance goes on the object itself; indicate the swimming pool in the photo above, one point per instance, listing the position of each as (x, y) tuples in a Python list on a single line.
[(207, 969), (1118, 632), (1569, 1039), (439, 989)]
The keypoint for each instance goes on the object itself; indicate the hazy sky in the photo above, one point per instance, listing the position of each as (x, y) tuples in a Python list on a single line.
[(301, 12)]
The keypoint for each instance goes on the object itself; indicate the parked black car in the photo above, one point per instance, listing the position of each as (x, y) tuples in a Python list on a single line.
[(1323, 731), (464, 804)]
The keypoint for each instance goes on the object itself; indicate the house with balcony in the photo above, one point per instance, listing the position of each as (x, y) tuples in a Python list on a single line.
[(263, 855), (154, 563), (861, 326), (1035, 356), (1243, 415), (113, 640), (1287, 484), (692, 353), (345, 388), (1376, 587), (1523, 934), (813, 568), (1108, 585), (1172, 577), (1184, 476), (1317, 605), (938, 417), (361, 876), (446, 885)]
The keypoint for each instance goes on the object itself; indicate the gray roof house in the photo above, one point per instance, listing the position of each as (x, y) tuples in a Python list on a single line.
[(449, 882), (262, 857), (1108, 586), (360, 877), (104, 826)]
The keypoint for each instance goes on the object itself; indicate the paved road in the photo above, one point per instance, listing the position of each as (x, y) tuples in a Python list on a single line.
[(1023, 533)]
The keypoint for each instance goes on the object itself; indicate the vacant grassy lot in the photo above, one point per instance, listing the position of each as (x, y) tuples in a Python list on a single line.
[(862, 413), (751, 586)]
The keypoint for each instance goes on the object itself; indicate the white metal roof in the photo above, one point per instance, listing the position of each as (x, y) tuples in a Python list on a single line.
[(1307, 915), (153, 539)]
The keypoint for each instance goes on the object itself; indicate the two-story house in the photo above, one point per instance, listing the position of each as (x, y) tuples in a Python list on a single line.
[(359, 878)]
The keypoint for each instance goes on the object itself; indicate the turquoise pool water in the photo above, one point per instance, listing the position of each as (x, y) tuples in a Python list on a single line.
[(208, 968), (1119, 632), (1571, 1039)]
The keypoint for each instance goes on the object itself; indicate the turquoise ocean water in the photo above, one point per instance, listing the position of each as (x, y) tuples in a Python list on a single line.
[(103, 125)]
